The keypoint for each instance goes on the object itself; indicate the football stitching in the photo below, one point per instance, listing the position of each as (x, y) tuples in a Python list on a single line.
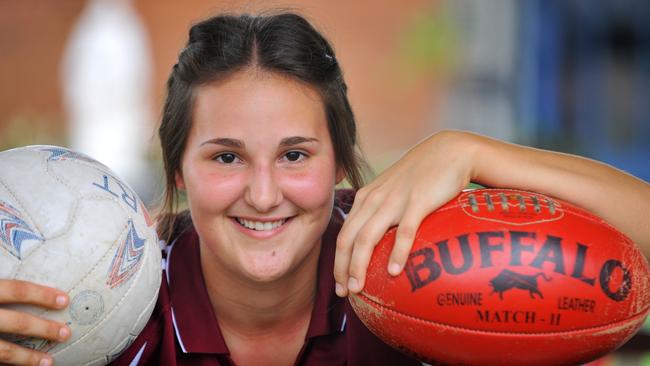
[(566, 208)]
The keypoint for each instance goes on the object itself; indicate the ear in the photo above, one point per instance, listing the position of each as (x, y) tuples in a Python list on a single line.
[(340, 175), (180, 182)]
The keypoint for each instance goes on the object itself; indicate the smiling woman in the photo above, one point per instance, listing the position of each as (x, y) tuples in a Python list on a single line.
[(259, 171), (257, 130)]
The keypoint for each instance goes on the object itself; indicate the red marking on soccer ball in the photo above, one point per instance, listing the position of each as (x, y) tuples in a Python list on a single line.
[(508, 277)]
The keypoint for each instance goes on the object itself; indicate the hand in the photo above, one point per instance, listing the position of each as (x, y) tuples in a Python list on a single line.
[(19, 323), (428, 176)]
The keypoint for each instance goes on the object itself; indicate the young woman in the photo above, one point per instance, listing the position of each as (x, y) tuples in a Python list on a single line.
[(257, 131)]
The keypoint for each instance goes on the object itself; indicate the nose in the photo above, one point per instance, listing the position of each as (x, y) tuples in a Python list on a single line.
[(263, 191)]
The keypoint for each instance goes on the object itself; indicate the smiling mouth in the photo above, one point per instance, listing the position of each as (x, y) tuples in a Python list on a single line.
[(260, 225)]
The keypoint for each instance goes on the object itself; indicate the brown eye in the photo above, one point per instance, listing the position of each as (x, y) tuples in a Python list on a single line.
[(294, 156), (226, 158)]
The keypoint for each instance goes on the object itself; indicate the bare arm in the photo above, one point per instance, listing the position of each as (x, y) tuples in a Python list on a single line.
[(619, 198), (435, 170)]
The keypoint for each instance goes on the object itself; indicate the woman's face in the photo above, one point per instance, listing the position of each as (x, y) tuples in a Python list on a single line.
[(259, 172)]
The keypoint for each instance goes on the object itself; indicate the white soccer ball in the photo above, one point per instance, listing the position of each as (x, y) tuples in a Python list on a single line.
[(68, 222)]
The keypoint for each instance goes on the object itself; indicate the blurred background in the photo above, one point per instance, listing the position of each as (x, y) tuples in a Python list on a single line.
[(569, 75)]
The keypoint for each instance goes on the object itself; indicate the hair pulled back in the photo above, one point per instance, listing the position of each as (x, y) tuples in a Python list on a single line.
[(223, 45)]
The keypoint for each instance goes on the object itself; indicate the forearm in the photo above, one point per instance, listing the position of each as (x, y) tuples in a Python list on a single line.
[(619, 198)]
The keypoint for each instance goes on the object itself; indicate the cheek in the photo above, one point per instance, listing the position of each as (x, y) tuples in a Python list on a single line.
[(213, 192), (311, 189)]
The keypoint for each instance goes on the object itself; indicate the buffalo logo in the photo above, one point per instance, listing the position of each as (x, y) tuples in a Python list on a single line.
[(507, 279)]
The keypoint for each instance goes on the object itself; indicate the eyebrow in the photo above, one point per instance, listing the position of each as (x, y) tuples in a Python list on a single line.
[(238, 144), (296, 140), (228, 142)]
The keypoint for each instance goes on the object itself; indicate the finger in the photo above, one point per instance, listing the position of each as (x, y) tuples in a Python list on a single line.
[(364, 245), (344, 246), (345, 242), (13, 354), (407, 229), (359, 199), (341, 264), (404, 238), (365, 200), (23, 292), (15, 322)]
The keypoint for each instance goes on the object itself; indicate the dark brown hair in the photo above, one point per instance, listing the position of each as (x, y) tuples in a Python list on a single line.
[(219, 47)]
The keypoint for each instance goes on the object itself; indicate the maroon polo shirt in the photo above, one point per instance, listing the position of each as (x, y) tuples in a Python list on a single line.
[(183, 329)]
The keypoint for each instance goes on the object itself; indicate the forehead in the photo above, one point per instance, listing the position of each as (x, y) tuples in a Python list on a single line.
[(258, 100)]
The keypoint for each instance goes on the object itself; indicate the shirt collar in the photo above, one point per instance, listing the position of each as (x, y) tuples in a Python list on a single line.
[(328, 316), (196, 327)]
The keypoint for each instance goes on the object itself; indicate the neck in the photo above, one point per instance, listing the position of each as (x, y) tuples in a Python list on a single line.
[(257, 310)]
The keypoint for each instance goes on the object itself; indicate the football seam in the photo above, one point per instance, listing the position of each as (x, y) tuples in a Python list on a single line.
[(567, 208), (375, 304)]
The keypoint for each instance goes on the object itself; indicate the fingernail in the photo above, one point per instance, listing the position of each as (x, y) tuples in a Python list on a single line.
[(45, 362), (63, 333), (339, 289), (394, 269), (353, 284), (61, 300)]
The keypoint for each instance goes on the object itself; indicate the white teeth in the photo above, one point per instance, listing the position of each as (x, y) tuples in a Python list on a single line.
[(259, 225)]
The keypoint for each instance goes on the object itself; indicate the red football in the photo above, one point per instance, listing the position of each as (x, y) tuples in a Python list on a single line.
[(507, 277)]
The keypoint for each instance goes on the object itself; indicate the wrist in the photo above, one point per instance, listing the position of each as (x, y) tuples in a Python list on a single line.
[(467, 149)]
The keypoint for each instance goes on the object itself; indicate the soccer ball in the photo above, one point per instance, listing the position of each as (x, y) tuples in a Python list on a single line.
[(68, 222)]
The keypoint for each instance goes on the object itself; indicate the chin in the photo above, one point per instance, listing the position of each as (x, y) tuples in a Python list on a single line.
[(266, 269), (266, 276)]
